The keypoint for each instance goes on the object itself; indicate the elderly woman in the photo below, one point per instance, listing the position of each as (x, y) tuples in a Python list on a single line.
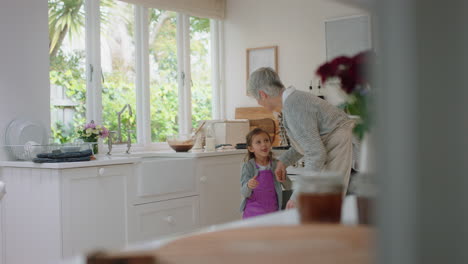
[(318, 131)]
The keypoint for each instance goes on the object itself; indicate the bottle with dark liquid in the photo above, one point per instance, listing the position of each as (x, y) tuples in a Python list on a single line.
[(320, 197)]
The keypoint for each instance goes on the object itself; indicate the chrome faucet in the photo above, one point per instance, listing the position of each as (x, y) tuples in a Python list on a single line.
[(119, 131), (109, 142), (129, 140)]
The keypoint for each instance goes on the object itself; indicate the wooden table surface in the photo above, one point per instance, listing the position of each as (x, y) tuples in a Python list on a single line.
[(315, 243)]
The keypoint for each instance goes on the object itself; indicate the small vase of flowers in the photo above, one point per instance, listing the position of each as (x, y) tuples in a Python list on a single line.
[(91, 133)]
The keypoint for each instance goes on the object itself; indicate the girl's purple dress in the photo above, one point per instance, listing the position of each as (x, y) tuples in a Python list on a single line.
[(263, 199)]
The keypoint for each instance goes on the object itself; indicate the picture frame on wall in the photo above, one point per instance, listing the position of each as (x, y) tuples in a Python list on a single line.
[(261, 57)]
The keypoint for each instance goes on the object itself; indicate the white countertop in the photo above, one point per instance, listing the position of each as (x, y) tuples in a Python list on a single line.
[(100, 161), (191, 154), (121, 158)]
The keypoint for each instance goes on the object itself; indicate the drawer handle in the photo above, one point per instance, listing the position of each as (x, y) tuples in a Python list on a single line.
[(170, 219), (101, 171), (203, 179)]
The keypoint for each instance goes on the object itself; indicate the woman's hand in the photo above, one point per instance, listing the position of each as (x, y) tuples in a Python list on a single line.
[(253, 183), (280, 172), (290, 204)]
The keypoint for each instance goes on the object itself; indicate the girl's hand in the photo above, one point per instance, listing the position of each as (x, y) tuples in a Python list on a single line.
[(280, 172), (290, 204), (252, 183)]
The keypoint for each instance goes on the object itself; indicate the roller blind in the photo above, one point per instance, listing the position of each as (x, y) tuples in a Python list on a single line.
[(199, 8)]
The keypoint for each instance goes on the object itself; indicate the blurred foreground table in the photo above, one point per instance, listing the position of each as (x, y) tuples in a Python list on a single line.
[(314, 243), (272, 238)]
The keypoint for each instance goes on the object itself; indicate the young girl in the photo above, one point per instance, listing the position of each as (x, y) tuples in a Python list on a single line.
[(261, 192)]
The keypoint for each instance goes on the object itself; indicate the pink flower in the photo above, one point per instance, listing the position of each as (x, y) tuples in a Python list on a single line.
[(104, 132), (90, 125), (92, 131)]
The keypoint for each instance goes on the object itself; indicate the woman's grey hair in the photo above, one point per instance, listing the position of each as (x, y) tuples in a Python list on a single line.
[(264, 79)]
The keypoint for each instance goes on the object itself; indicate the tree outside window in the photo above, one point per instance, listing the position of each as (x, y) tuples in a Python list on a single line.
[(68, 71)]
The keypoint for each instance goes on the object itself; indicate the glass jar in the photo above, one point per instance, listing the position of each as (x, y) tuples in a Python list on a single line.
[(319, 197), (365, 190)]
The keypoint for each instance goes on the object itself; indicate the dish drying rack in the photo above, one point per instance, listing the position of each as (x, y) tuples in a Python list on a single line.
[(29, 151)]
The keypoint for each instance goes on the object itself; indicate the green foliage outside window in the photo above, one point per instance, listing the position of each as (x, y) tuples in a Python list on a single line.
[(66, 70)]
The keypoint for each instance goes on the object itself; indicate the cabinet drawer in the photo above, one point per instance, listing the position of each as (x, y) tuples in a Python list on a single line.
[(153, 220), (160, 179), (98, 171)]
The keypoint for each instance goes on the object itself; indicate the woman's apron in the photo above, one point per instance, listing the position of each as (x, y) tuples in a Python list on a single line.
[(263, 199)]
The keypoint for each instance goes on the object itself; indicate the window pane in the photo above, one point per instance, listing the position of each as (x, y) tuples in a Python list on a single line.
[(67, 68), (200, 60), (118, 66), (163, 74)]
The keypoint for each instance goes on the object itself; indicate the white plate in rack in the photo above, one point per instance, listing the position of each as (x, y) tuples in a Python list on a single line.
[(21, 131)]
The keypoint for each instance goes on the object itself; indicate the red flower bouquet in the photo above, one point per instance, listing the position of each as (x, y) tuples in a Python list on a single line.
[(354, 76)]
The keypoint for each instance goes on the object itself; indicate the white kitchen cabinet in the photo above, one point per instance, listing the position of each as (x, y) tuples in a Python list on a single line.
[(159, 179), (51, 214), (31, 214), (163, 198), (94, 208), (219, 188), (55, 211), (153, 220), (176, 195)]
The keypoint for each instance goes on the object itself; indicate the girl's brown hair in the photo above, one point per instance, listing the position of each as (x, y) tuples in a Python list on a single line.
[(249, 137)]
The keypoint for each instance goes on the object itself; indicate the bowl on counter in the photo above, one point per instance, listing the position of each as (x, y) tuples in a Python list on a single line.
[(181, 142)]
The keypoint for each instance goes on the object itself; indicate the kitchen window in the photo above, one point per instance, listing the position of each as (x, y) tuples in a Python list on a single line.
[(111, 53)]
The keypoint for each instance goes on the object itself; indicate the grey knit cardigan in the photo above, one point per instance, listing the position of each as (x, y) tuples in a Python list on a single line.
[(306, 118)]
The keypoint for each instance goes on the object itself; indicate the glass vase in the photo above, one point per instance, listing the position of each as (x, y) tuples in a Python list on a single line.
[(93, 143)]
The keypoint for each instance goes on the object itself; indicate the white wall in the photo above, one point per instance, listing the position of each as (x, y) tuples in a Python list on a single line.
[(295, 26), (24, 60)]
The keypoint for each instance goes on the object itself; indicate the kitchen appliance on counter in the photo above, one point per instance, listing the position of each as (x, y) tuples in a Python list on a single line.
[(228, 131)]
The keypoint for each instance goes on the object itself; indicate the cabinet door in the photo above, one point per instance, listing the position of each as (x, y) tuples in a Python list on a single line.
[(158, 179), (153, 220), (94, 208), (31, 216), (219, 188)]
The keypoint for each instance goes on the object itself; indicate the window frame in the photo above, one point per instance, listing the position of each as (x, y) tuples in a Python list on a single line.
[(143, 113)]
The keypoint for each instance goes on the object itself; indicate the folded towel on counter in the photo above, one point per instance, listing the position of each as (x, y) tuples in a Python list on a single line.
[(48, 160), (57, 154)]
